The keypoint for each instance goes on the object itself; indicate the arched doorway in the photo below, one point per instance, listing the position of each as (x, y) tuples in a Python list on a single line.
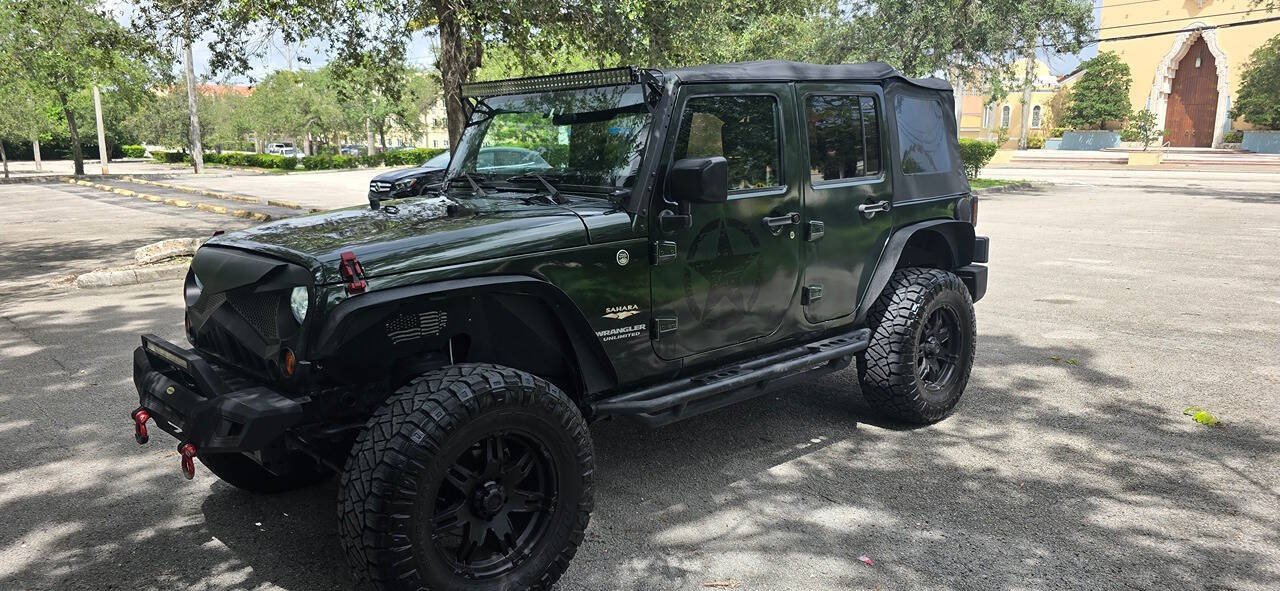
[(1193, 99), (1191, 90)]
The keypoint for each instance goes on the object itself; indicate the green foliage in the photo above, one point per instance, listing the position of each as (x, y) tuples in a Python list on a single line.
[(1258, 101), (1035, 142), (976, 154), (275, 161), (1234, 136), (1002, 136), (1202, 416), (1142, 128), (328, 161), (1101, 94), (1058, 132), (65, 47), (134, 151), (168, 157), (410, 157)]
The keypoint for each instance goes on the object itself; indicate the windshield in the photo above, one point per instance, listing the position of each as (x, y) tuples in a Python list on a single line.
[(587, 139), (440, 160)]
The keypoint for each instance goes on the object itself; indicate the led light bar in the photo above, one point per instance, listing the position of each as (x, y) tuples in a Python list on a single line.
[(593, 78)]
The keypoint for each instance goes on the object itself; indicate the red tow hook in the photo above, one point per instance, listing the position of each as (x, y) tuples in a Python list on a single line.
[(188, 453), (140, 418)]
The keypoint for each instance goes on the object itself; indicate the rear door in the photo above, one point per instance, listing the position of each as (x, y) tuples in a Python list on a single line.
[(729, 276), (848, 195)]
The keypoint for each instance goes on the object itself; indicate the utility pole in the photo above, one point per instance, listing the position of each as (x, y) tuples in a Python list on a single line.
[(102, 133), (35, 150), (197, 152), (368, 136)]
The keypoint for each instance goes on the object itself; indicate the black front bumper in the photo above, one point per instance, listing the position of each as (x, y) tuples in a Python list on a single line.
[(197, 402)]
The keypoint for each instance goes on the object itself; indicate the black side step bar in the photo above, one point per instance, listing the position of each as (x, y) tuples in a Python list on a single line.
[(686, 397)]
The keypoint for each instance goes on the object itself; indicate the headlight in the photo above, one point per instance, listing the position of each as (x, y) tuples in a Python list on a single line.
[(405, 184), (298, 300), (191, 288)]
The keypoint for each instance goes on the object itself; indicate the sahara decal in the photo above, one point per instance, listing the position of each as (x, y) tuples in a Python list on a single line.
[(621, 312), (625, 332)]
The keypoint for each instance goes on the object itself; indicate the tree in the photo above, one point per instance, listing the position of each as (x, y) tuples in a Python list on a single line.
[(20, 119), (1144, 127), (1101, 94), (1258, 101), (67, 46)]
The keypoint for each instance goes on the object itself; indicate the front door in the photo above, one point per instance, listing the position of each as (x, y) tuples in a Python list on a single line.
[(730, 275), (848, 195), (1193, 99)]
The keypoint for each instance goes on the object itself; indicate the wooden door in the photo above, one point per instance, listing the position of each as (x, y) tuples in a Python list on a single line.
[(1193, 99)]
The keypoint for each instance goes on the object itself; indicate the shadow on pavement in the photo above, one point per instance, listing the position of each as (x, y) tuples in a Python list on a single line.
[(1015, 490)]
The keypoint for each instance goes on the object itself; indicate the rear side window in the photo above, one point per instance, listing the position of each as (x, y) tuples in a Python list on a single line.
[(922, 136), (844, 137), (743, 129)]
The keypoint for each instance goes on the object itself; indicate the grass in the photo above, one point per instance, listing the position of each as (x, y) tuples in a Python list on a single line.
[(989, 183)]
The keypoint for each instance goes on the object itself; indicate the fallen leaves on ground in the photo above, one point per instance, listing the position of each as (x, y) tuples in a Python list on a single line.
[(1201, 416), (721, 584)]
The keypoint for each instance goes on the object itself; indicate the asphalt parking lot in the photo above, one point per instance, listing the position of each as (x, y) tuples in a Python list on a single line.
[(1116, 300)]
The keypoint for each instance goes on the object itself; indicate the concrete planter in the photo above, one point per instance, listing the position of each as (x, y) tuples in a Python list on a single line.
[(1150, 158), (1262, 142), (1089, 140), (1002, 157), (1052, 143)]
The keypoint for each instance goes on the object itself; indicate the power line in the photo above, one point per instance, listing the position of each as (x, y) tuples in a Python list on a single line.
[(1172, 32), (1129, 3), (1172, 20)]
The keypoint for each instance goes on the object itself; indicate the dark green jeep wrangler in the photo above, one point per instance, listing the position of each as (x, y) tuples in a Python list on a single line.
[(686, 239)]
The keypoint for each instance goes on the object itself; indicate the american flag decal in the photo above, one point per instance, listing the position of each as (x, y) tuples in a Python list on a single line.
[(407, 327)]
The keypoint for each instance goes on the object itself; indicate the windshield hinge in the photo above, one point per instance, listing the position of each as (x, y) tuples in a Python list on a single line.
[(350, 270)]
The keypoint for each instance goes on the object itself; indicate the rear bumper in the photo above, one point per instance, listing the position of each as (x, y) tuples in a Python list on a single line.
[(975, 278), (191, 399)]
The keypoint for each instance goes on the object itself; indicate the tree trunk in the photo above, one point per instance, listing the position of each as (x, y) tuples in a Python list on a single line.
[(102, 132), (197, 151), (35, 151), (368, 136), (5, 157), (456, 62), (1028, 84), (77, 152)]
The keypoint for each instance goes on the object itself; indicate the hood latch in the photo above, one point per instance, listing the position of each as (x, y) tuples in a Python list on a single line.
[(351, 271)]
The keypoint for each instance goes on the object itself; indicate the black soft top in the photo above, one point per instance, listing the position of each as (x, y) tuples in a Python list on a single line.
[(786, 71)]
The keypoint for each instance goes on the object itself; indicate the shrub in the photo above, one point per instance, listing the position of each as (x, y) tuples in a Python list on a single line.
[(1002, 136), (341, 161), (169, 157), (1035, 142), (977, 153), (134, 151), (1101, 94), (1058, 132), (320, 162), (410, 156), (1258, 100), (370, 160), (1142, 128), (1234, 136)]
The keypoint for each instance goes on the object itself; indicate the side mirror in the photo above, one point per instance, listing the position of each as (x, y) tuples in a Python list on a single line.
[(699, 180)]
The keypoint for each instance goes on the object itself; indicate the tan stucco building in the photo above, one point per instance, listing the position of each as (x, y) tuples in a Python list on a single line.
[(1189, 78), (979, 120)]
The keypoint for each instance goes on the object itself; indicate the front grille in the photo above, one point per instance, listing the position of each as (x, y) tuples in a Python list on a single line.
[(261, 311), (379, 186), (205, 306)]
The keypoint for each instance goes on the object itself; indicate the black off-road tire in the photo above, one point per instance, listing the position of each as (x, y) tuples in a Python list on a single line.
[(390, 490), (889, 370), (243, 473)]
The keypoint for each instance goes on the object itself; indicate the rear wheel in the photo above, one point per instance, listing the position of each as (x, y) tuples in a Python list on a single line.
[(471, 477), (923, 337), (241, 472)]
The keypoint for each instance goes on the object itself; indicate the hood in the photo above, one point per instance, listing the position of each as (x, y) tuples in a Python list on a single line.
[(417, 233), (392, 176)]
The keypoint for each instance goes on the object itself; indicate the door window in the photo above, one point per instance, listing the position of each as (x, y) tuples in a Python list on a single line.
[(844, 137), (742, 129)]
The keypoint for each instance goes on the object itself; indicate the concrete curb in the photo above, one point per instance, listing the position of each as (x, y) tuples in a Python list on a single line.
[(118, 277), (209, 207), (215, 194)]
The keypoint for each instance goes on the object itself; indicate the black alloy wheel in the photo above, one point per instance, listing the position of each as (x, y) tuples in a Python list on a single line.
[(937, 350), (494, 505)]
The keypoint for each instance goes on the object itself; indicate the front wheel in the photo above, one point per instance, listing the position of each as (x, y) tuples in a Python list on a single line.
[(923, 337), (471, 477)]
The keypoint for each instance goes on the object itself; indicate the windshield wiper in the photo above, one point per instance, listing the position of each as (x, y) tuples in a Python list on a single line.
[(555, 193), (476, 187)]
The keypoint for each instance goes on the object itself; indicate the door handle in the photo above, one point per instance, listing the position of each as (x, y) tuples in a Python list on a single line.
[(775, 224), (871, 209)]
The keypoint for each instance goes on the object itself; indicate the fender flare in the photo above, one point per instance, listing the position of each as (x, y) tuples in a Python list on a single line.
[(352, 316), (958, 235)]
